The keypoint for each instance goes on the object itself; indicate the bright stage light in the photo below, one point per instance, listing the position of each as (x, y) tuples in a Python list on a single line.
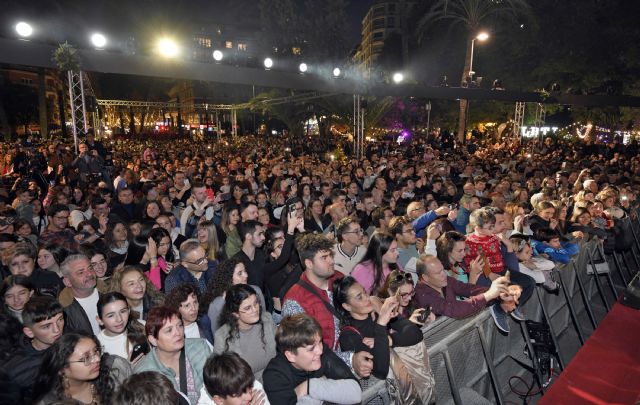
[(98, 40), (268, 63), (217, 55), (24, 29), (336, 72), (168, 48), (303, 67)]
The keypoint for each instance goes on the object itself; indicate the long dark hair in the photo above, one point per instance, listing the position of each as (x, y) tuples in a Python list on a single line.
[(56, 358), (10, 335), (378, 246), (134, 329), (221, 281), (157, 234), (340, 296), (235, 295)]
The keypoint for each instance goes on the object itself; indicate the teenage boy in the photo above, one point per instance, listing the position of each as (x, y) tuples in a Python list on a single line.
[(305, 371), (43, 321)]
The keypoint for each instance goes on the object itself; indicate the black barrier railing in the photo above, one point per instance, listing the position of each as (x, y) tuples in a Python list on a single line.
[(465, 352)]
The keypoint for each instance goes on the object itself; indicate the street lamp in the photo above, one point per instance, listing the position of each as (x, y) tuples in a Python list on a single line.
[(98, 40), (398, 77), (303, 67), (336, 72), (217, 55), (24, 29), (483, 36), (268, 63)]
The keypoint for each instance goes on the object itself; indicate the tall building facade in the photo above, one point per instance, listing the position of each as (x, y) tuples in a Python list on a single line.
[(384, 18)]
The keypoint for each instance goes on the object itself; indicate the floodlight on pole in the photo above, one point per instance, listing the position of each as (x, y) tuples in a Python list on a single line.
[(98, 40), (336, 72), (483, 36), (168, 48), (217, 55), (303, 67), (268, 63), (398, 77), (24, 29)]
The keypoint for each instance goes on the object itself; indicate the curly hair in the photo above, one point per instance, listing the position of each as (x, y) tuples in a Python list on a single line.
[(234, 298), (221, 281), (56, 359), (150, 290), (180, 294)]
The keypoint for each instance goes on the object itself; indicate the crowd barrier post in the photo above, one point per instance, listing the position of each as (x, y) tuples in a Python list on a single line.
[(596, 278), (547, 320), (583, 293), (532, 355), (625, 260), (572, 311), (618, 265), (453, 385), (490, 367), (635, 234)]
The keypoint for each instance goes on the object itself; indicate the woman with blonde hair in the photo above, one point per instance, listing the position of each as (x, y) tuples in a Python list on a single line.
[(139, 291), (207, 235)]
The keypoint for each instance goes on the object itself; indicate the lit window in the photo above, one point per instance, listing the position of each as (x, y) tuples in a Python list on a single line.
[(296, 50), (228, 45), (242, 47)]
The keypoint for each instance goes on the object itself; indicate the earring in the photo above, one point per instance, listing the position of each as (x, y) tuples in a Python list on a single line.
[(65, 383)]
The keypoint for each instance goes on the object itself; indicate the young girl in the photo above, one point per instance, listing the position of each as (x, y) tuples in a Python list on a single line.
[(121, 331), (15, 291), (538, 268)]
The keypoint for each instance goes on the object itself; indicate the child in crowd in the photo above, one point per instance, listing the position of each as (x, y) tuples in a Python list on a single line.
[(549, 242)]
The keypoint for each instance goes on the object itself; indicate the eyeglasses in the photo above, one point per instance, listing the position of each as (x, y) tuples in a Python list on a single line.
[(405, 295), (359, 232), (90, 358), (198, 262)]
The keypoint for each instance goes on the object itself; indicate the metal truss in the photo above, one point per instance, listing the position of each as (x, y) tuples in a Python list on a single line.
[(77, 104), (358, 126), (518, 118)]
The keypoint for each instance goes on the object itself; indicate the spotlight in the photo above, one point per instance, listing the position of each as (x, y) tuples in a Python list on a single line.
[(168, 48), (217, 55), (336, 72), (268, 63), (24, 29), (303, 67), (98, 40), (483, 36), (398, 77)]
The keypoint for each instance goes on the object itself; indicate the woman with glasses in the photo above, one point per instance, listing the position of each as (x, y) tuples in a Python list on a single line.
[(99, 262), (400, 284), (314, 219), (74, 368), (246, 329), (121, 331), (140, 293), (380, 259), (371, 328), (179, 359), (229, 273)]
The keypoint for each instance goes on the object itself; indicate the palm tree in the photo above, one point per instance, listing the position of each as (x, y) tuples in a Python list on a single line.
[(473, 16)]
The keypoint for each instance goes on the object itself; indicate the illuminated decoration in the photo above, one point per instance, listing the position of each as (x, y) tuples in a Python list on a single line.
[(532, 132), (398, 77), (336, 72), (268, 63), (584, 131), (24, 29), (303, 67)]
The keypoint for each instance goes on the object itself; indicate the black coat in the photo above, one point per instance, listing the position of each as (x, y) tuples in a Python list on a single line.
[(18, 374)]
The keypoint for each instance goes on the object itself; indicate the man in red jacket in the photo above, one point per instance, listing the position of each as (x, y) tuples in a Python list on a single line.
[(313, 295)]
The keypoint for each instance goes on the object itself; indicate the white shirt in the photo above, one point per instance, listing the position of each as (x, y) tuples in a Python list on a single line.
[(192, 331), (90, 306), (345, 263), (205, 399), (116, 345)]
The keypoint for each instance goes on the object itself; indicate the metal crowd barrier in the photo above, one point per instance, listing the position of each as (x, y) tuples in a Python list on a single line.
[(472, 361)]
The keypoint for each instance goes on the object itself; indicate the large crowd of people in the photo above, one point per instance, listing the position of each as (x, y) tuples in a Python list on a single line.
[(279, 270)]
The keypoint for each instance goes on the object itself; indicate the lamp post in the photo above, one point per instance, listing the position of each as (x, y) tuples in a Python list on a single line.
[(483, 36), (466, 74)]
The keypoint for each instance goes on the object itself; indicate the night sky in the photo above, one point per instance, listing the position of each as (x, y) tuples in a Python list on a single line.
[(59, 20)]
